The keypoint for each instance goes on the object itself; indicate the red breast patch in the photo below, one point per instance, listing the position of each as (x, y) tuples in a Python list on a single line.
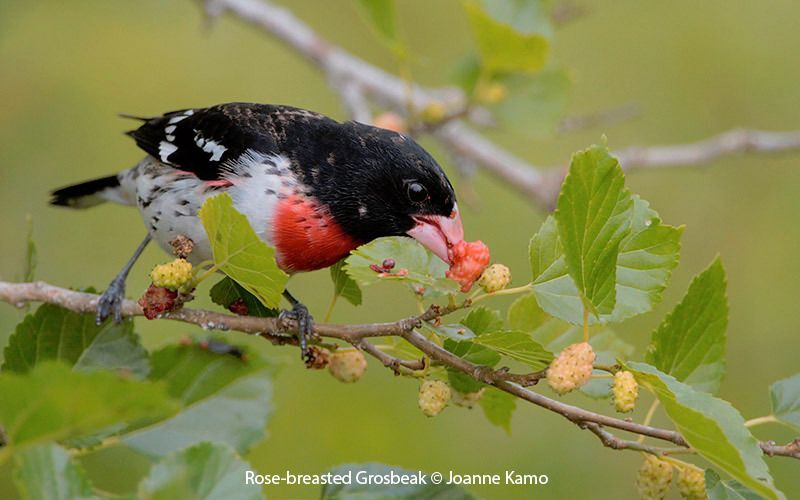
[(306, 236)]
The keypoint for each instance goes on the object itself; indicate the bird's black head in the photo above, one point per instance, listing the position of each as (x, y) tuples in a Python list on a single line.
[(380, 183)]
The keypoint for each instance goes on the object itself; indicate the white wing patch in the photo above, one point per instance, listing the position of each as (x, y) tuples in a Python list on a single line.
[(210, 146), (165, 149)]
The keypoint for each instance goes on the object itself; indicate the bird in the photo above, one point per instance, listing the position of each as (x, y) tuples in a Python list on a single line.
[(310, 186)]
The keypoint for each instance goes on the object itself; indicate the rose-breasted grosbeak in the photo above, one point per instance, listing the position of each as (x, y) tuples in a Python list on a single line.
[(311, 187)]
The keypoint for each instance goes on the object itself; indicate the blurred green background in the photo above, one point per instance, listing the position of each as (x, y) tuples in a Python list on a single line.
[(692, 68)]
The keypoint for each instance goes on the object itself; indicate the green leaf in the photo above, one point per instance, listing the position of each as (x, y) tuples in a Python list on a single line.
[(525, 16), (240, 253), (498, 406), (482, 320), (593, 217), (554, 289), (343, 286), (518, 346), (373, 491), (727, 490), (646, 259), (712, 427), (473, 353), (71, 404), (224, 398), (56, 334), (226, 291), (414, 265), (534, 104), (690, 342), (382, 17), (48, 471), (785, 397), (206, 470), (502, 48), (524, 314), (644, 265)]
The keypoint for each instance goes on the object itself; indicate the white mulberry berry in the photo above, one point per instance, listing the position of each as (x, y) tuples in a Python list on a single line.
[(625, 391), (653, 479), (692, 483), (433, 397), (495, 278), (572, 368), (347, 366)]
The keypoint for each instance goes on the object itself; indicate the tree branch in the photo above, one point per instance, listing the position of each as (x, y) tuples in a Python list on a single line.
[(356, 80), (278, 331)]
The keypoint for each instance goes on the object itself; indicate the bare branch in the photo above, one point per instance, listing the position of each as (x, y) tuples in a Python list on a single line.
[(276, 331), (351, 75), (726, 144)]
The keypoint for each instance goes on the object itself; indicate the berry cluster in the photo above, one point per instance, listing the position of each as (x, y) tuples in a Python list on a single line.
[(572, 368), (433, 397), (653, 479), (347, 366), (692, 482), (174, 275), (468, 260), (625, 390), (495, 278)]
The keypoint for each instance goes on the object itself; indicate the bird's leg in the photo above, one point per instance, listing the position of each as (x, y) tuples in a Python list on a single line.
[(305, 323), (111, 300)]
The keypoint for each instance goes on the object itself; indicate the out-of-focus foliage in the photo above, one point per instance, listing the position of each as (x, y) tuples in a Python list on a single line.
[(73, 66)]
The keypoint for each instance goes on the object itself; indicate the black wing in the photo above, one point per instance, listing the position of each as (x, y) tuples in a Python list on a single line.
[(202, 140)]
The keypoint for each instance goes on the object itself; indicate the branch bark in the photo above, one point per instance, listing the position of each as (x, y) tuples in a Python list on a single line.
[(278, 332), (357, 81)]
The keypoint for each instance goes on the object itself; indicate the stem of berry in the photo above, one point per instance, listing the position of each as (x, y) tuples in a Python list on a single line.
[(766, 419), (329, 312), (648, 417), (585, 324), (506, 291)]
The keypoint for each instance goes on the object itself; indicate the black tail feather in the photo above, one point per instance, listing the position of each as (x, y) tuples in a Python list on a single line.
[(83, 195)]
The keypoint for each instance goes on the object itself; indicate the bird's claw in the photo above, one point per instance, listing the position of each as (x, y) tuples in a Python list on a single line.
[(111, 302), (305, 327)]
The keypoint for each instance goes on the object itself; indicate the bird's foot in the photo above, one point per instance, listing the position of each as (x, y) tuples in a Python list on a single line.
[(305, 327), (111, 301)]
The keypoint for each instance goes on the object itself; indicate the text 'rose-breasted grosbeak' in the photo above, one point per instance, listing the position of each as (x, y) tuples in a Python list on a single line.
[(311, 187)]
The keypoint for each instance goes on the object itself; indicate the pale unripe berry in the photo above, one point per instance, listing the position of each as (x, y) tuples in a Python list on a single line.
[(572, 368), (433, 397), (173, 275), (692, 483), (347, 366), (625, 391), (491, 93), (433, 112), (466, 399), (495, 278), (653, 479)]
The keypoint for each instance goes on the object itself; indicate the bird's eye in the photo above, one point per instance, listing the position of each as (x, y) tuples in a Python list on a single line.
[(417, 192)]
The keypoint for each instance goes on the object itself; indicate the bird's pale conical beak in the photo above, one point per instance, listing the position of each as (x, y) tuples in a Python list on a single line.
[(438, 233)]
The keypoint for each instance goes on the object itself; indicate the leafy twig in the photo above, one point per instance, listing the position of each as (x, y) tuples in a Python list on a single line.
[(277, 331)]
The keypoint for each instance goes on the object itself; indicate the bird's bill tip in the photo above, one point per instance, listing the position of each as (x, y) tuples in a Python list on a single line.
[(438, 233)]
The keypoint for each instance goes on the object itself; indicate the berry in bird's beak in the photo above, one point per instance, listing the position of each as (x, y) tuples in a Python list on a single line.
[(438, 233)]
